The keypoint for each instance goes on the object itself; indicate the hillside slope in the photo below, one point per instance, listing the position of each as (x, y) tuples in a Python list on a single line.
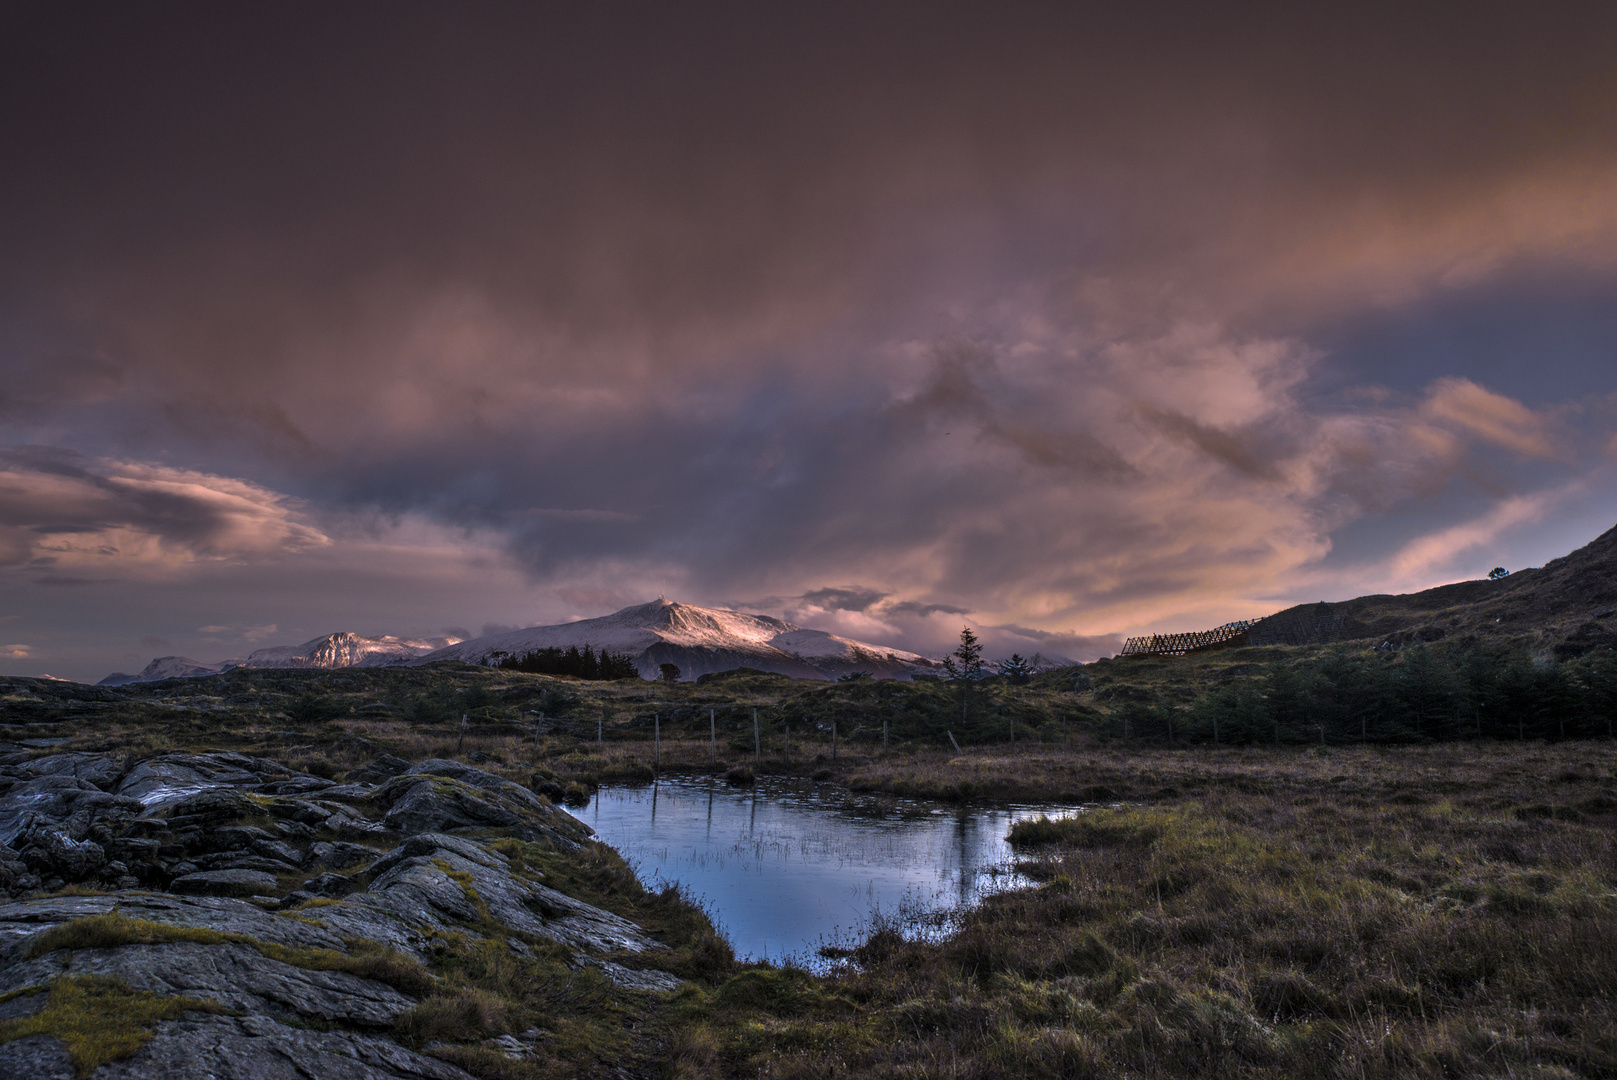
[(1566, 607)]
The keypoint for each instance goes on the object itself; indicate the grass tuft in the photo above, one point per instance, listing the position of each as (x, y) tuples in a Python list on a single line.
[(101, 1019)]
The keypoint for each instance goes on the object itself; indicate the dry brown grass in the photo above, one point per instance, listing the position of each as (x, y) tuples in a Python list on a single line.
[(1439, 913)]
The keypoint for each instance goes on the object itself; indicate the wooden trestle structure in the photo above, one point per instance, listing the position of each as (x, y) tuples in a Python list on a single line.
[(1222, 637)]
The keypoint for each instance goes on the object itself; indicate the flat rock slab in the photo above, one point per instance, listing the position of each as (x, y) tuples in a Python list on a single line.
[(23, 919), (236, 976), (38, 1057), (257, 1048), (227, 883), (422, 886)]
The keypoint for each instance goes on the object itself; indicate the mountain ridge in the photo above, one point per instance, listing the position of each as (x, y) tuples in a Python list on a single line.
[(699, 641)]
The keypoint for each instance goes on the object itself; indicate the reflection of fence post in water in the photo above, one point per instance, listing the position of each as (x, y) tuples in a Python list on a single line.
[(960, 844)]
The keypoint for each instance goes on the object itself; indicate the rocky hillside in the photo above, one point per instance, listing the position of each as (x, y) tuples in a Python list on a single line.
[(221, 915), (1567, 607)]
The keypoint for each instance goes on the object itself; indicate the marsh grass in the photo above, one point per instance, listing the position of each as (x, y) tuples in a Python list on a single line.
[(1424, 909), (1314, 929)]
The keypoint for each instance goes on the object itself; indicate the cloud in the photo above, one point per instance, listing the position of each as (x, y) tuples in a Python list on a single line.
[(1490, 417), (919, 610), (1436, 553), (16, 651), (1072, 646), (72, 517), (1030, 320), (846, 598), (152, 641)]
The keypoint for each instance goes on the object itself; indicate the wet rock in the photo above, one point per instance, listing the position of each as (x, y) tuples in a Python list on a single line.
[(15, 875), (298, 785), (59, 801), (280, 851), (381, 768), (160, 781), (440, 796), (353, 827), (442, 883), (644, 979), (134, 850), (202, 1047), (226, 882), (236, 976), (19, 1007), (243, 861), (212, 807), (22, 919), (37, 1057), (349, 792), (294, 1022), (341, 853), (230, 837), (75, 860), (330, 885)]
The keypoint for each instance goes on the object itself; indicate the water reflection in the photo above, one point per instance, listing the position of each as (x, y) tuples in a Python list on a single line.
[(787, 866)]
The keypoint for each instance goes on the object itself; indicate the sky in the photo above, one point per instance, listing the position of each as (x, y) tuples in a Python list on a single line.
[(1063, 321)]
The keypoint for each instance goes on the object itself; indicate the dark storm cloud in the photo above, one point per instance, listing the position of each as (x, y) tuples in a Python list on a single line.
[(843, 599), (1012, 310), (916, 608)]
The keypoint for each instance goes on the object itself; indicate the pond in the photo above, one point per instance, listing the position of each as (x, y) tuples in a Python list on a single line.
[(788, 866)]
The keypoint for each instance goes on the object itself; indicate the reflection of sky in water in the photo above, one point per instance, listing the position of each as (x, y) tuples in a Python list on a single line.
[(789, 866)]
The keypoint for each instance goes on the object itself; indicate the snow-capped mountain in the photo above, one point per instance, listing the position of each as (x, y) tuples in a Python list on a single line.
[(700, 641), (339, 650), (344, 649), (164, 667)]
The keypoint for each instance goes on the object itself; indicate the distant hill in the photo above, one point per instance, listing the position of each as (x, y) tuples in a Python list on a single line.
[(701, 641), (1566, 607), (339, 650), (164, 667)]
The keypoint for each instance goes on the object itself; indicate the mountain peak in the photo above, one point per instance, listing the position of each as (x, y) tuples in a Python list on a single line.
[(699, 641)]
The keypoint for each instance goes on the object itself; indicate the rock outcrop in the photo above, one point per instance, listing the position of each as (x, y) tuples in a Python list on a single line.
[(293, 919)]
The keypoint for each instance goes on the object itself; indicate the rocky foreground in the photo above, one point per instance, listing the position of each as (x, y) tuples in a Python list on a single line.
[(219, 915)]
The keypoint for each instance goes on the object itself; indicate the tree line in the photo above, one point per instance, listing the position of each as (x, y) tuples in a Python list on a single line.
[(1414, 694), (585, 664)]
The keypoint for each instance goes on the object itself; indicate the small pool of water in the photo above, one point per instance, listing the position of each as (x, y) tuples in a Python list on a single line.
[(789, 866)]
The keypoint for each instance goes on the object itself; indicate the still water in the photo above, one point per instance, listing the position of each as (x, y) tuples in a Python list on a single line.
[(788, 866)]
